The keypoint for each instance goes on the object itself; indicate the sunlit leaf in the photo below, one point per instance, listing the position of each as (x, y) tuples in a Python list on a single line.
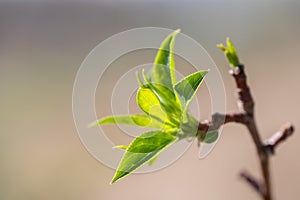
[(163, 72), (151, 105), (167, 101), (141, 150), (135, 120), (190, 127), (187, 88)]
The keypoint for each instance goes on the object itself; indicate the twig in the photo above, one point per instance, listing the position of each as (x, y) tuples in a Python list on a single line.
[(278, 137), (246, 117), (220, 119), (255, 184)]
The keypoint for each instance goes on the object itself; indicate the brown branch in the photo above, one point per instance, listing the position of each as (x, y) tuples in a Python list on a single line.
[(246, 117), (255, 184), (244, 95), (217, 121), (220, 119), (247, 103), (278, 137)]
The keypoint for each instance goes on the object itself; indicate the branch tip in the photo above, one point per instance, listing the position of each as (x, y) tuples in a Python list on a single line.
[(285, 131), (255, 184)]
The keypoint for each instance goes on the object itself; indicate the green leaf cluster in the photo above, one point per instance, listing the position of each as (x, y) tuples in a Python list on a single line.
[(230, 53), (165, 104)]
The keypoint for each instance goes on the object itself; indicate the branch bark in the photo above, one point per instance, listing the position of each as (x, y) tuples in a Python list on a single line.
[(279, 137), (247, 118)]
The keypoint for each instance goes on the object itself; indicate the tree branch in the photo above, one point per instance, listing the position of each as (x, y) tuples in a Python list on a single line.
[(247, 103), (247, 118), (220, 119), (255, 184), (278, 137), (244, 95)]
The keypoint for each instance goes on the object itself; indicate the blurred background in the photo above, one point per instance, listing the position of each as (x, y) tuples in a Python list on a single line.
[(42, 44)]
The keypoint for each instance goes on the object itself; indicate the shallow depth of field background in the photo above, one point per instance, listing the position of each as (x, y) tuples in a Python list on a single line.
[(42, 45)]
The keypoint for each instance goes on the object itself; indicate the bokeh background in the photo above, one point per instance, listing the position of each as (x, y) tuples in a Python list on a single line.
[(42, 44)]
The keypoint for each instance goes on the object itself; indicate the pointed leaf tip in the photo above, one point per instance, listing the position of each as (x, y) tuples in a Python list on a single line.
[(120, 147), (222, 47), (164, 72), (177, 30), (138, 78)]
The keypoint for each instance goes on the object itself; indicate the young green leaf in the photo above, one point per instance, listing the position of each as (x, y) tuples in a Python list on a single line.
[(167, 101), (135, 120), (211, 136), (189, 128), (141, 150), (230, 53), (187, 88), (151, 105), (163, 72)]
